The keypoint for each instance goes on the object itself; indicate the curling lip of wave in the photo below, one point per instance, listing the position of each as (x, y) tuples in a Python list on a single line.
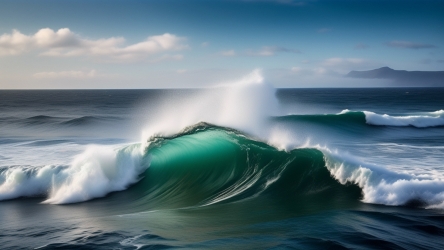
[(189, 130), (204, 165)]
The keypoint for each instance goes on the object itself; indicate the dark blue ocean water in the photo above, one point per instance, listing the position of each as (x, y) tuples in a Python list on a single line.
[(245, 167)]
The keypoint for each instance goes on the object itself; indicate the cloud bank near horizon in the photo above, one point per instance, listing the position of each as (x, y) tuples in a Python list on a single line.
[(65, 43)]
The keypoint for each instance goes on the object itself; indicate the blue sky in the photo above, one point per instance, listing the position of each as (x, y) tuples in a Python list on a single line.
[(180, 44)]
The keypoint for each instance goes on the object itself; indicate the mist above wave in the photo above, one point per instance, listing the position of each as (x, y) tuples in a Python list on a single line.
[(243, 104)]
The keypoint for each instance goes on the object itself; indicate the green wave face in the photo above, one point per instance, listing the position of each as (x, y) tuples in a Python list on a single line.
[(218, 166)]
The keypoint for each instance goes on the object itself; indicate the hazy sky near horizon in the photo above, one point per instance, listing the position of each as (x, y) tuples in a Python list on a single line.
[(181, 44)]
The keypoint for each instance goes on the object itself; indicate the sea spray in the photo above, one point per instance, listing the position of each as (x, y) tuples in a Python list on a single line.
[(243, 104)]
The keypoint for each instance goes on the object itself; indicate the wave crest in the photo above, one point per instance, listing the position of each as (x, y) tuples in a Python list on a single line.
[(381, 186), (422, 120), (432, 119)]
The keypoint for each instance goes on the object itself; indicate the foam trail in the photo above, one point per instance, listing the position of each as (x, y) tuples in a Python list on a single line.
[(244, 104), (26, 181), (378, 184), (382, 186), (432, 119), (94, 173)]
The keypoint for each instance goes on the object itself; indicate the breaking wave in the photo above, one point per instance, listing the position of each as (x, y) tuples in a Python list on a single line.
[(422, 120), (207, 164)]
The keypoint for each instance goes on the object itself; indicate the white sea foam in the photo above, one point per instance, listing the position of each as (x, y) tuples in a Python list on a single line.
[(344, 111), (284, 139), (26, 181), (382, 186), (94, 173), (379, 185), (432, 119)]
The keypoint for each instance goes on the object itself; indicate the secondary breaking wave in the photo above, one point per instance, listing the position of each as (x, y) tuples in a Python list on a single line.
[(347, 117), (95, 173), (431, 119)]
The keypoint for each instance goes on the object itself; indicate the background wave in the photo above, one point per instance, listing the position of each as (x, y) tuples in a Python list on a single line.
[(347, 117)]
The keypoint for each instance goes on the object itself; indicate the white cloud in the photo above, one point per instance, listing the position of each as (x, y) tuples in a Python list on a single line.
[(63, 38), (66, 74), (181, 71), (66, 43), (15, 43)]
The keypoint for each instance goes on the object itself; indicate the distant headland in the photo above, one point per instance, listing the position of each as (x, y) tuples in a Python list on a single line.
[(403, 77)]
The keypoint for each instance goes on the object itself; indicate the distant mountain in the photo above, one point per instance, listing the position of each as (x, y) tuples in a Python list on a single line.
[(403, 77)]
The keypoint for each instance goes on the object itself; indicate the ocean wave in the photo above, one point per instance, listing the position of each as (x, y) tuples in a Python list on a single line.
[(344, 116), (432, 119), (382, 186), (201, 166), (45, 120), (94, 173), (205, 165), (39, 120), (347, 117), (87, 120)]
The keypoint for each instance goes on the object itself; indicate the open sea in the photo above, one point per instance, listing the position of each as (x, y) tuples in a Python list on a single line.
[(241, 166)]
